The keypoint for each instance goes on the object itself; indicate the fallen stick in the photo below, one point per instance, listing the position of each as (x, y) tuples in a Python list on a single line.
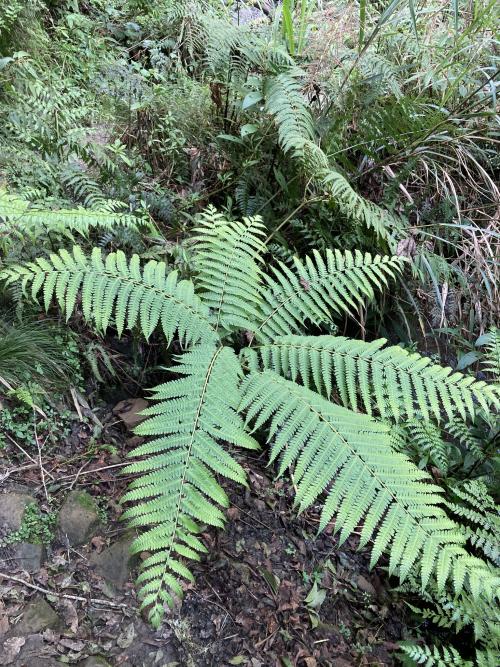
[(79, 598)]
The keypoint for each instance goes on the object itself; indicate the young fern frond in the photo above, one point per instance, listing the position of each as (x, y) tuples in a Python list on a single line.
[(395, 382), (177, 486), (116, 290), (227, 260), (348, 456), (22, 219), (318, 287)]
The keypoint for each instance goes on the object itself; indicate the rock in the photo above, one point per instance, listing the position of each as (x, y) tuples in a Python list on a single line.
[(12, 507), (27, 556), (115, 562), (94, 661), (38, 616), (78, 518), (128, 411), (365, 586)]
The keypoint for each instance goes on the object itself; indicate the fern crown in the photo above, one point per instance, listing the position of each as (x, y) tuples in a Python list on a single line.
[(324, 401)]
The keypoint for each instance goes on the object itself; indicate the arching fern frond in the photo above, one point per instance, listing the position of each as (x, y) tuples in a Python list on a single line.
[(114, 289), (348, 456), (316, 287), (178, 486), (20, 219), (395, 382), (228, 254)]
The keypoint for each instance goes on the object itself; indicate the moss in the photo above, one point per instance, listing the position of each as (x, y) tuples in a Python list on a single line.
[(85, 501)]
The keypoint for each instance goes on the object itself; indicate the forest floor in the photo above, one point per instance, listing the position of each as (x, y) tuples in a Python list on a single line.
[(269, 593)]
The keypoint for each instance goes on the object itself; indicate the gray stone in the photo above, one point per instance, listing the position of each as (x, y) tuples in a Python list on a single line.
[(115, 562), (94, 661), (38, 616), (365, 586), (78, 518), (27, 556), (128, 411), (12, 507)]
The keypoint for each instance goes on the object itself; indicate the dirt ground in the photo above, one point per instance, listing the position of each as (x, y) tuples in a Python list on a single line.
[(269, 594)]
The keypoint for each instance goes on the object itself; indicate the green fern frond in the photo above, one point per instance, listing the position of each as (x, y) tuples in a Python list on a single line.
[(432, 656), (427, 439), (284, 100), (116, 290), (348, 456), (461, 431), (398, 383), (340, 283), (227, 260), (491, 362), (475, 506), (178, 486), (22, 219)]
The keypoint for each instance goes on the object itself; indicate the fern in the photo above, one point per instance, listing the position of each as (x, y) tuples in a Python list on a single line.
[(22, 219), (229, 276), (478, 508), (316, 288), (330, 449), (286, 103), (397, 382), (433, 656), (119, 290), (427, 439), (491, 362), (177, 486), (348, 456)]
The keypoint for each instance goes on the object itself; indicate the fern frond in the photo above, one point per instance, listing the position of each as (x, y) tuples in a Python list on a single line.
[(178, 487), (491, 362), (315, 287), (427, 439), (118, 290), (398, 383), (348, 456), (22, 219), (284, 100), (475, 506), (432, 656), (228, 254)]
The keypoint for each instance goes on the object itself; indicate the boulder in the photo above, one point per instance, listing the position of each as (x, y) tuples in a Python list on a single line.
[(12, 507), (78, 518), (38, 616), (115, 562), (27, 556)]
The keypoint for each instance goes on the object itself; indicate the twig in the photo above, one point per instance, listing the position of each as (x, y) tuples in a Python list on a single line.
[(42, 471), (89, 472), (66, 596), (37, 463)]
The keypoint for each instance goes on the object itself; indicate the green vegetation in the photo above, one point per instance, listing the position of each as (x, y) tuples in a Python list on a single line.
[(288, 207)]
